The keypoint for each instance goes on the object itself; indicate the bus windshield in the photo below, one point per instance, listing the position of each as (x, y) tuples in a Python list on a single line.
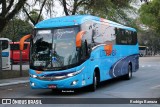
[(54, 49)]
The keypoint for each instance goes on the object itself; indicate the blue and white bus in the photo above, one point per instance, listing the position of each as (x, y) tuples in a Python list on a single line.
[(81, 50), (5, 52)]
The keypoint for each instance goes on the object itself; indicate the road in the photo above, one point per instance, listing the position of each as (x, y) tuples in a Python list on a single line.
[(144, 84)]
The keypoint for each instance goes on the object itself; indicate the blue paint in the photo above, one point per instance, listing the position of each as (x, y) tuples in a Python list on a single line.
[(110, 66), (65, 21), (74, 20)]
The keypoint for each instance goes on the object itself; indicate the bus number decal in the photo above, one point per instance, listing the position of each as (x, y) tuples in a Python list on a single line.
[(113, 53)]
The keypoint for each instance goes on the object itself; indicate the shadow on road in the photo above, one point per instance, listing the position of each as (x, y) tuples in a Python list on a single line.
[(84, 90)]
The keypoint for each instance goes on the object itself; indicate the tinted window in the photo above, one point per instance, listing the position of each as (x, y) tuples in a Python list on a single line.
[(125, 37), (16, 46), (4, 44)]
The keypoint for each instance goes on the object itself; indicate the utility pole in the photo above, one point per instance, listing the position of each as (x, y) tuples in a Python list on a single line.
[(12, 44), (0, 55), (21, 74), (1, 75)]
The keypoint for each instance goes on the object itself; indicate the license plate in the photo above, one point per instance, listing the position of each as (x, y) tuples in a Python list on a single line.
[(52, 86)]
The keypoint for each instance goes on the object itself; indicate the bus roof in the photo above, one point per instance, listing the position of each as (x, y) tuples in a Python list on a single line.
[(5, 39), (76, 20), (18, 43)]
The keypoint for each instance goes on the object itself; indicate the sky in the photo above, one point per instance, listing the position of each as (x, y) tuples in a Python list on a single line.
[(58, 9)]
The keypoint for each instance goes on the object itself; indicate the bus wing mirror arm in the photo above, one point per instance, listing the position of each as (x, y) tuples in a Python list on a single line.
[(79, 38), (24, 38)]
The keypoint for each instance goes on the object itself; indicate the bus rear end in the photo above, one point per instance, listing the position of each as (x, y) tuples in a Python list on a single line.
[(15, 52)]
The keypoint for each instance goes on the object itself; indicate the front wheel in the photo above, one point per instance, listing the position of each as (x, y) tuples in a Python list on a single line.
[(128, 76)]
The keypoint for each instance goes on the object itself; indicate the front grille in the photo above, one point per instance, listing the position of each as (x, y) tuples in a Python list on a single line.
[(52, 78)]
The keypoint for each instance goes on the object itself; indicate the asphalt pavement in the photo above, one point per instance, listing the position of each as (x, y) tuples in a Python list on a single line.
[(144, 84)]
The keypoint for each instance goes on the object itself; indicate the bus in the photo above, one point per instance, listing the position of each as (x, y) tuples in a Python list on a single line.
[(143, 51), (15, 52), (80, 50), (5, 52)]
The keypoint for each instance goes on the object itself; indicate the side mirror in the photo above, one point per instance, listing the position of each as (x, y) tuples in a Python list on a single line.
[(21, 44), (108, 49), (79, 38)]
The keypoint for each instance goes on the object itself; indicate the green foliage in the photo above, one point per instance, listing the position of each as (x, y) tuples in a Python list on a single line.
[(150, 14), (34, 15), (150, 38), (8, 9), (115, 10), (16, 29)]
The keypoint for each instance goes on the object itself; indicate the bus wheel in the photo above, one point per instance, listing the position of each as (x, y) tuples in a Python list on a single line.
[(55, 90), (128, 76), (94, 84)]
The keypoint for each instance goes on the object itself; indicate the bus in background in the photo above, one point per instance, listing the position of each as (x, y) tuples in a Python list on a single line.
[(5, 52), (143, 51), (15, 52), (81, 50)]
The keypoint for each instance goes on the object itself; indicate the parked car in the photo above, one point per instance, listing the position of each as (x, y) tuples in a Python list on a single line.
[(15, 52)]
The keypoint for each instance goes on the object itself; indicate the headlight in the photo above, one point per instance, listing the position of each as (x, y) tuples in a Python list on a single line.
[(60, 77), (75, 73), (33, 76)]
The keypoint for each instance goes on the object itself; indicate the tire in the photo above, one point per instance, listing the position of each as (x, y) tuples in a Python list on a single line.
[(128, 76), (55, 90), (93, 87)]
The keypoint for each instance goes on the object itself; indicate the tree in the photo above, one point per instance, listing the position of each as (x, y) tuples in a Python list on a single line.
[(150, 15), (116, 10), (16, 28), (9, 8), (151, 39), (35, 15)]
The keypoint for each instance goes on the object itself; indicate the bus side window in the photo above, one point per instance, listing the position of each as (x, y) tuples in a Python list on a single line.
[(118, 35), (125, 37), (4, 44), (129, 37), (87, 38), (134, 38), (84, 50)]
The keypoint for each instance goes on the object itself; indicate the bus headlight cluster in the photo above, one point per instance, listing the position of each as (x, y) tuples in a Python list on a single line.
[(75, 73), (33, 76)]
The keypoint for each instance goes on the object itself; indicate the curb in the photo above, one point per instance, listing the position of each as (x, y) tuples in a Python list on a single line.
[(14, 83)]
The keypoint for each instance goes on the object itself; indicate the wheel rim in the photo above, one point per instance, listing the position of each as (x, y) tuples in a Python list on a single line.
[(129, 72), (95, 82)]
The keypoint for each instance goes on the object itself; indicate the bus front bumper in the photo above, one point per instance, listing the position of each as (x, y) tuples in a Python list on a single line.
[(76, 81)]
